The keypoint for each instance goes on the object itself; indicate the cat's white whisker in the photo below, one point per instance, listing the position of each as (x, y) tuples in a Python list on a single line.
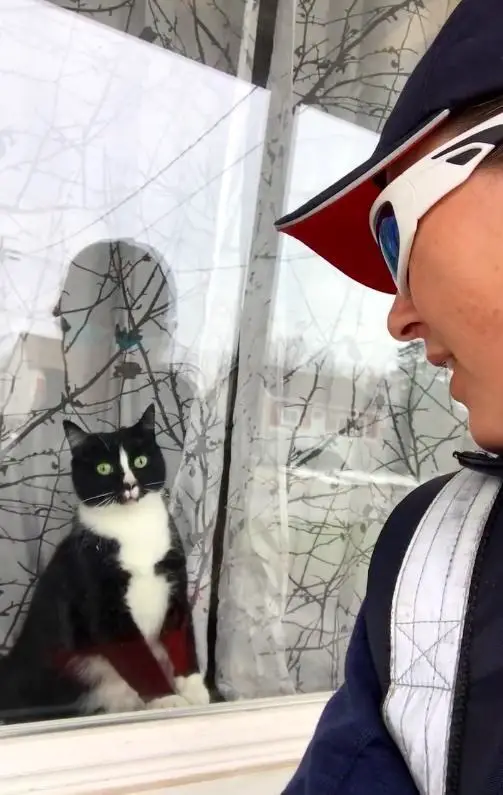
[(97, 496)]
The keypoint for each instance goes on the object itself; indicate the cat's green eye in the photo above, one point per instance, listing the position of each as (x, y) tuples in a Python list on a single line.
[(104, 468), (140, 462)]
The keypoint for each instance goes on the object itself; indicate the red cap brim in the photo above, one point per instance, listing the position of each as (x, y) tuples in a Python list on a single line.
[(335, 224)]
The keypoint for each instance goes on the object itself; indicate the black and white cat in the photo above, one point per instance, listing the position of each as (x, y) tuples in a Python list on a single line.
[(109, 627)]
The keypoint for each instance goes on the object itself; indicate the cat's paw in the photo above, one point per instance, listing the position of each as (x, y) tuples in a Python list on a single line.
[(193, 689), (168, 702)]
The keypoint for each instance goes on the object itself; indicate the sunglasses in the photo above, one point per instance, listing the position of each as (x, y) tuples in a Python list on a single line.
[(396, 212)]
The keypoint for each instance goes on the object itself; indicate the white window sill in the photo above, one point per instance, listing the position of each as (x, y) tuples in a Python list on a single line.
[(179, 754)]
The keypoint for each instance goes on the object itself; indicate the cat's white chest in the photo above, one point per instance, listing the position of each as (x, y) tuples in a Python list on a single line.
[(142, 532), (147, 598)]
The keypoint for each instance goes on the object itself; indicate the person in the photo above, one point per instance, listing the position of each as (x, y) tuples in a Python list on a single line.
[(421, 707)]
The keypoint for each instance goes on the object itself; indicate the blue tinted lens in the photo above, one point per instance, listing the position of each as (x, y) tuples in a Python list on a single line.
[(388, 236)]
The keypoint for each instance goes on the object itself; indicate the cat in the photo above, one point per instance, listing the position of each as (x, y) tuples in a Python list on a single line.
[(109, 627)]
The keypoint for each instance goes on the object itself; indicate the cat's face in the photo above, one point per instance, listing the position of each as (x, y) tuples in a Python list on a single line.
[(117, 467)]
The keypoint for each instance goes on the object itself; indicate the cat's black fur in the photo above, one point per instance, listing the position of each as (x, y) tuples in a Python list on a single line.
[(79, 610)]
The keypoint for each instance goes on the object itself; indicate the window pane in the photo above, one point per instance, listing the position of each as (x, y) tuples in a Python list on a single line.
[(147, 148), (120, 285)]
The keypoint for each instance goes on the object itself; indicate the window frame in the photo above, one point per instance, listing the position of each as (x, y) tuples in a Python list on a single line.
[(140, 752)]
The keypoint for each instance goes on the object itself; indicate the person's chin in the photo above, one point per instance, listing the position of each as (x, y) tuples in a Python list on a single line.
[(455, 388)]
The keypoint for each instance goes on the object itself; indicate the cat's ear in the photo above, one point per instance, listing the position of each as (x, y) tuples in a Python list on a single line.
[(147, 419), (74, 434)]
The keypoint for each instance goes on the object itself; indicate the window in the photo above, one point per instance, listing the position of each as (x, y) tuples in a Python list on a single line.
[(144, 159), (290, 416)]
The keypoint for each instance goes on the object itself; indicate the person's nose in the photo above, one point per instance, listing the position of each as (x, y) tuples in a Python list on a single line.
[(404, 322)]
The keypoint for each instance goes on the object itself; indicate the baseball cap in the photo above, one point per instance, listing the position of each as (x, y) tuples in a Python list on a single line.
[(463, 66)]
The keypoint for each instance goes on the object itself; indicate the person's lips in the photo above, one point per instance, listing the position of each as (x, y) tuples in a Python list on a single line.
[(440, 360), (447, 363)]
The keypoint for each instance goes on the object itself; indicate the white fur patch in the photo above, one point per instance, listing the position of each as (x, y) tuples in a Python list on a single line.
[(167, 702), (129, 477), (142, 532), (108, 691), (193, 689)]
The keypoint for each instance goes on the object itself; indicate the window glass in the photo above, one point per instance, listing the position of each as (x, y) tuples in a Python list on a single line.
[(203, 425)]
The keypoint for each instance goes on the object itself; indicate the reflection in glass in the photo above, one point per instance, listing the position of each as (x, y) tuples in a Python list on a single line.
[(139, 265), (120, 284)]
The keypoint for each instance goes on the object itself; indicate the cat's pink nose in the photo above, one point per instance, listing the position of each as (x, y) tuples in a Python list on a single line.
[(131, 492)]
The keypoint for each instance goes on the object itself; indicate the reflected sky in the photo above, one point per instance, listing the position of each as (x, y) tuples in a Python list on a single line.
[(107, 137)]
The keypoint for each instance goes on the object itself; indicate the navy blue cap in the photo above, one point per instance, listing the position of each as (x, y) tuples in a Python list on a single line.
[(462, 67)]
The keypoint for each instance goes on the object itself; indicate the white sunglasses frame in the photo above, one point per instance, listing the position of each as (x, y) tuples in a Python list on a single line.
[(414, 192)]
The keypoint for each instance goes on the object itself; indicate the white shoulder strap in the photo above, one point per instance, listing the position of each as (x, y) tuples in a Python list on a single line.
[(427, 619)]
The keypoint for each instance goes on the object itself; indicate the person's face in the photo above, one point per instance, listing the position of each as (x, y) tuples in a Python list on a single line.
[(456, 294)]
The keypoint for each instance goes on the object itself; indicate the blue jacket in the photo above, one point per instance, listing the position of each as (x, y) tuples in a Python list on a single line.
[(351, 752)]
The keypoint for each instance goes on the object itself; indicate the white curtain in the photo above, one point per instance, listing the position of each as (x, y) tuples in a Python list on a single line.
[(142, 170)]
